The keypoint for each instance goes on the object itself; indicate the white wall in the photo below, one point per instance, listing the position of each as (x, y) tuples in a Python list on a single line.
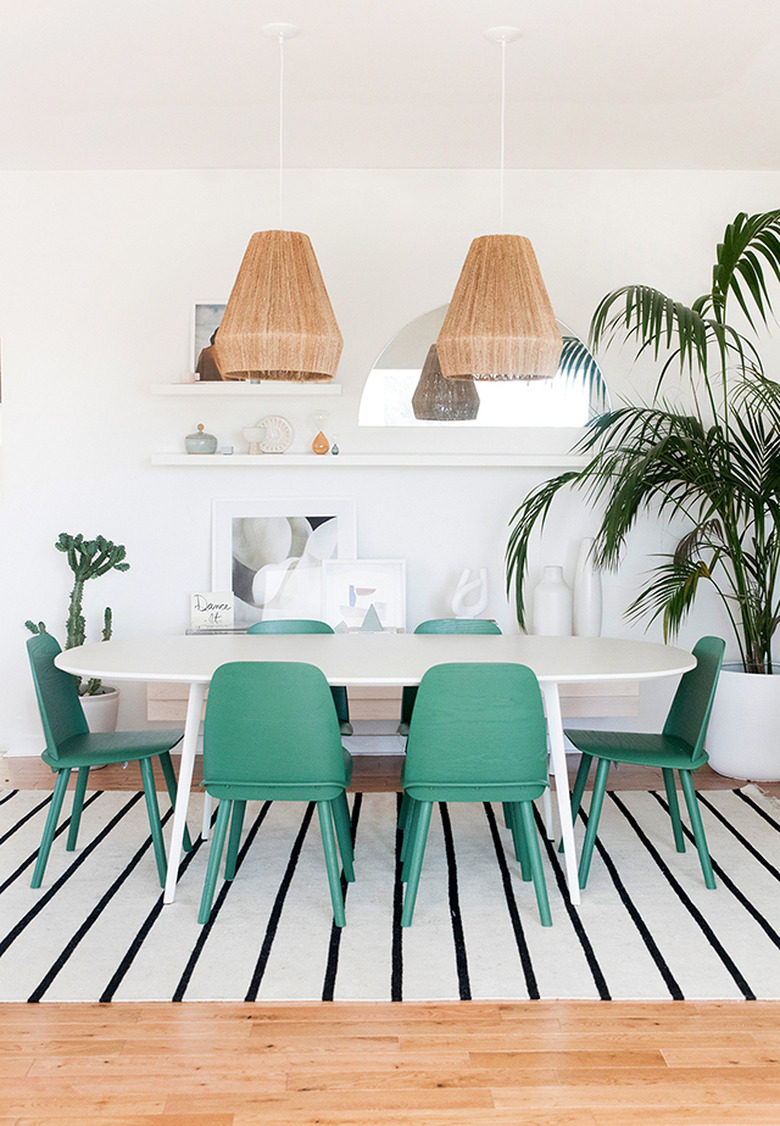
[(98, 276)]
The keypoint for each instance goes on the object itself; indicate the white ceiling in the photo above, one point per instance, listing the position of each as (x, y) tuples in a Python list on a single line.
[(389, 83)]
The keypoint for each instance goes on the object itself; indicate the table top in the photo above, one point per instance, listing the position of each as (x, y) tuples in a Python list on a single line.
[(367, 659)]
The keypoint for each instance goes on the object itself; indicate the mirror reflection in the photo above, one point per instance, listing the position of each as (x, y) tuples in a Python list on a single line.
[(404, 382)]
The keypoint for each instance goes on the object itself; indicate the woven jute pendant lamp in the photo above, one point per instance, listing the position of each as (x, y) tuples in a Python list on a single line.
[(437, 399), (500, 323), (279, 322)]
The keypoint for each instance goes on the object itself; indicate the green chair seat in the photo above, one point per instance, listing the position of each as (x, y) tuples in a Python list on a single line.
[(679, 747), (71, 746), (253, 790), (103, 748), (440, 625), (478, 733), (638, 747), (310, 625), (271, 733)]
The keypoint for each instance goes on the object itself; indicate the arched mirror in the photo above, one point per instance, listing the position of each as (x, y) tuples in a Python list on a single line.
[(392, 395)]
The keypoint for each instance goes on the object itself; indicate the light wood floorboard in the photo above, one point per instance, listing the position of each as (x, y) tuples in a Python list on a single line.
[(539, 1063)]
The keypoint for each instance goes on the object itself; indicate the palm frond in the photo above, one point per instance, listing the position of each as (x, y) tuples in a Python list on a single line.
[(534, 508), (670, 592), (657, 324), (750, 243), (578, 367)]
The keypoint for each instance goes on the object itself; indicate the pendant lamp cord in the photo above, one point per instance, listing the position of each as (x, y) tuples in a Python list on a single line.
[(503, 122), (281, 128)]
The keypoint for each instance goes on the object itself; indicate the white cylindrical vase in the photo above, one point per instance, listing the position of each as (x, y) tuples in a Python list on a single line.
[(586, 596), (552, 604)]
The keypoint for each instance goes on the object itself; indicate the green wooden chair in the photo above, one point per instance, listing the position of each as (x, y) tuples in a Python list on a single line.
[(71, 746), (478, 733), (310, 625), (680, 747), (271, 734), (440, 625)]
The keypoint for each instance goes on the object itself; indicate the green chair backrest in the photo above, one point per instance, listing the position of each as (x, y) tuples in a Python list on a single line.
[(690, 709), (290, 625), (62, 715), (476, 723), (272, 722), (457, 625)]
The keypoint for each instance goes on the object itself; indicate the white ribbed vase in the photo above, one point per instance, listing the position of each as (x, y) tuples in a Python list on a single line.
[(552, 604), (586, 596)]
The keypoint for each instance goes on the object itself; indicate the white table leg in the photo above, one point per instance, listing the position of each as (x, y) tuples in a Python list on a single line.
[(547, 813), (205, 828), (560, 773), (188, 747)]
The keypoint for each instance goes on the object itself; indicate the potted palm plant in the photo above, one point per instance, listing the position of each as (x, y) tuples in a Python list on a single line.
[(713, 465), (88, 559)]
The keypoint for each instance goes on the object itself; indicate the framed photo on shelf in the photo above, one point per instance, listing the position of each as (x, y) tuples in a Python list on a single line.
[(364, 594), (270, 553), (206, 320)]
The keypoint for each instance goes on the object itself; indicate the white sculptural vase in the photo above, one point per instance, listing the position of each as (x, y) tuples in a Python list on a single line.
[(470, 597)]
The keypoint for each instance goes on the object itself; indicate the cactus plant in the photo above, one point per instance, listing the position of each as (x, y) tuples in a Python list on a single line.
[(87, 559)]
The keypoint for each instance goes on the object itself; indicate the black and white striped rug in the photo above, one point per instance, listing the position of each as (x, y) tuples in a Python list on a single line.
[(647, 927)]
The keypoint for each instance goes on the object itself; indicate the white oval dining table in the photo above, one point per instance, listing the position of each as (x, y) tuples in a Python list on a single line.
[(367, 659)]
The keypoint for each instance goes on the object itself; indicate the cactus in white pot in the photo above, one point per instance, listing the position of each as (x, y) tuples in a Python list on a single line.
[(87, 559)]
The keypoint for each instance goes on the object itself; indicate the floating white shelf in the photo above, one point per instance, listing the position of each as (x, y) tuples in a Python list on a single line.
[(245, 390), (464, 461)]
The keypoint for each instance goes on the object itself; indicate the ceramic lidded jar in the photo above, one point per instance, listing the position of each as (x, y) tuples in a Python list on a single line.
[(200, 442)]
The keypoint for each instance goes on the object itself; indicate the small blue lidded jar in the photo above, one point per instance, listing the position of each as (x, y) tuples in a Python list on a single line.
[(200, 442)]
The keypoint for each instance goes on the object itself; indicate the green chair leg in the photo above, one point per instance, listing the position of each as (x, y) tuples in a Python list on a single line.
[(594, 813), (408, 840), (698, 828), (171, 787), (583, 770), (674, 808), (403, 813), (410, 836), (340, 810), (331, 861), (50, 828), (422, 823), (234, 838), (153, 811), (515, 823), (215, 855), (78, 805), (535, 861), (341, 701)]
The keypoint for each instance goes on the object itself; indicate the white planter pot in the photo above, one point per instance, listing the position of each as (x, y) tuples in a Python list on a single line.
[(101, 710), (743, 738)]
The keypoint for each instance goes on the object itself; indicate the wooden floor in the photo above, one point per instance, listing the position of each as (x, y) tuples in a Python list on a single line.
[(545, 1063), (371, 773)]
